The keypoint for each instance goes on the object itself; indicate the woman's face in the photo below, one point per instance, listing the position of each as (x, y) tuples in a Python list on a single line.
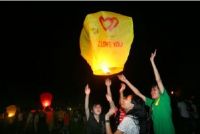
[(126, 103), (155, 92)]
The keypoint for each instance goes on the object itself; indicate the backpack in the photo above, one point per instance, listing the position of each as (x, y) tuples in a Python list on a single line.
[(139, 113)]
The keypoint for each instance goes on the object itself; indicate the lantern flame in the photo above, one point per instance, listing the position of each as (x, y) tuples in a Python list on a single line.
[(46, 103), (11, 110), (11, 114), (46, 99), (105, 69)]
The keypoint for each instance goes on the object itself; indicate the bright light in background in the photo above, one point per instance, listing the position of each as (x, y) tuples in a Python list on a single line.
[(11, 114), (172, 92), (11, 110), (46, 103), (69, 108), (46, 99)]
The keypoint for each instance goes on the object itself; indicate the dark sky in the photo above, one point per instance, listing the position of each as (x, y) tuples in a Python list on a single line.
[(40, 49)]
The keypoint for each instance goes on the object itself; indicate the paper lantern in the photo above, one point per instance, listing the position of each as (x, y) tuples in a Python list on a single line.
[(11, 110), (105, 41), (46, 99)]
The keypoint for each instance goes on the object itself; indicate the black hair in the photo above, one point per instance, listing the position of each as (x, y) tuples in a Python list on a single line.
[(154, 85), (94, 104), (139, 112)]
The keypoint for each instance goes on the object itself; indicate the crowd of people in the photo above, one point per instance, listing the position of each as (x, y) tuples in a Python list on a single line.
[(134, 113), (44, 121), (133, 117)]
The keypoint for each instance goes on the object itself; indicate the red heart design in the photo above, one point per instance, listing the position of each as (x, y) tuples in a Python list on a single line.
[(113, 22)]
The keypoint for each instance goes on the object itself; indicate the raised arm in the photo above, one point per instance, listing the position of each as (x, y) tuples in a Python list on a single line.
[(87, 95), (108, 84), (107, 122), (156, 73), (109, 94), (121, 92), (132, 87)]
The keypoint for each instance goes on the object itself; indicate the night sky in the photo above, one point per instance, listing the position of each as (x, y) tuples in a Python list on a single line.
[(39, 49)]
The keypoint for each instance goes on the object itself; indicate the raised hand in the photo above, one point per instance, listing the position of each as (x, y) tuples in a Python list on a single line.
[(109, 98), (108, 82), (123, 87), (153, 55), (156, 73), (110, 112), (122, 78), (87, 90)]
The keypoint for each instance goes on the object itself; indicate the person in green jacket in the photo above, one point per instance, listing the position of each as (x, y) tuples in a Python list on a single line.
[(160, 104)]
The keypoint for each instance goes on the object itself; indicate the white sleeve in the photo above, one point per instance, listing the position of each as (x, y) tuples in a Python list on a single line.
[(123, 125), (128, 126)]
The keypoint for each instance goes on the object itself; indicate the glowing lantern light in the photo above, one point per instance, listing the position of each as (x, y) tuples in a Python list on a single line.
[(105, 69), (46, 99), (105, 41), (11, 110)]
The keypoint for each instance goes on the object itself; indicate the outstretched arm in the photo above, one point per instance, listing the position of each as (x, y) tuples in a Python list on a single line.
[(132, 87), (156, 73), (109, 94), (121, 92), (108, 84), (87, 95)]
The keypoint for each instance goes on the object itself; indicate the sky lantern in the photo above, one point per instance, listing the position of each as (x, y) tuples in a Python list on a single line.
[(46, 99), (11, 110), (105, 41)]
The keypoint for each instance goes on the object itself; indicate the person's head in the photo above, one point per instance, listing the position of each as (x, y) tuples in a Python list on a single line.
[(96, 109), (139, 113), (127, 104), (155, 93)]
